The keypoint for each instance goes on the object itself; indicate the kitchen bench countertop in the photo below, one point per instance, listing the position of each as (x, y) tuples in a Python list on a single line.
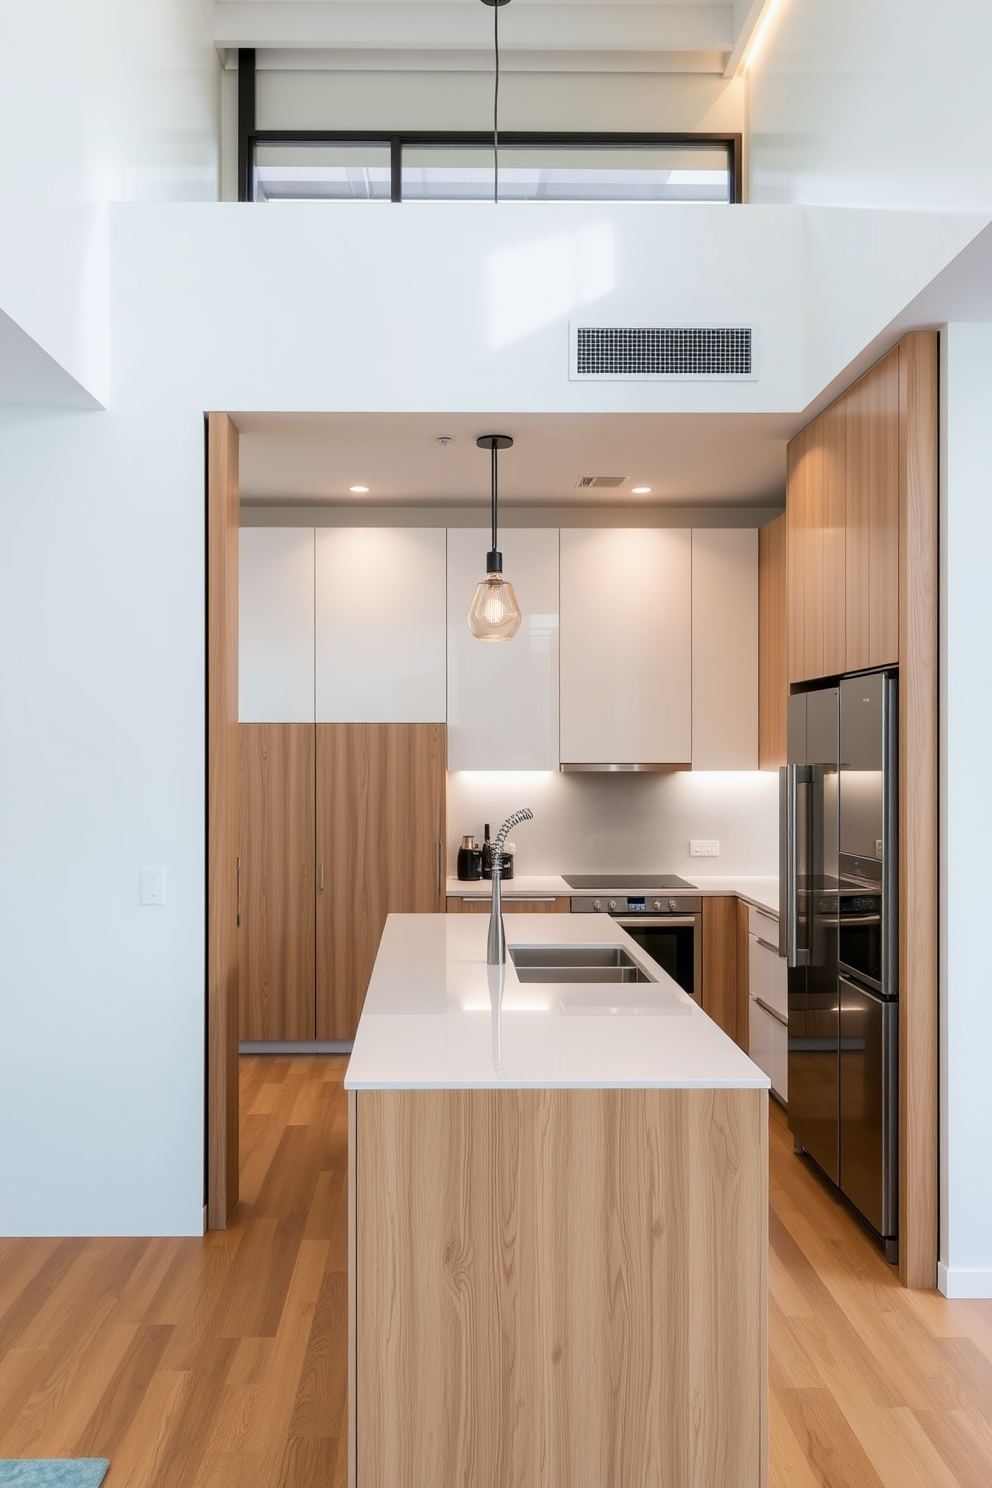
[(429, 1020), (761, 891)]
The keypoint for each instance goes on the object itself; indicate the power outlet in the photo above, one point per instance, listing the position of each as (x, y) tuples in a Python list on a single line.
[(704, 847)]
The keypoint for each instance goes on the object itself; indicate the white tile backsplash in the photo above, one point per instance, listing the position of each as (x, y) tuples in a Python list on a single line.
[(623, 823)]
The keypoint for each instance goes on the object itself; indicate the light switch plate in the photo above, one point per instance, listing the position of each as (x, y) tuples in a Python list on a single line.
[(704, 847), (153, 885)]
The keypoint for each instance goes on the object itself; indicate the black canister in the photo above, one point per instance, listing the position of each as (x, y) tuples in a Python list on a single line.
[(487, 855), (469, 861)]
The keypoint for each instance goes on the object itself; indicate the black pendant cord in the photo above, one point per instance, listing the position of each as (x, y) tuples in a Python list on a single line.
[(494, 469), (496, 117)]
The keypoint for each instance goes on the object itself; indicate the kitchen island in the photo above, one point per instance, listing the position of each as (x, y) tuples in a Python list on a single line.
[(558, 1224)]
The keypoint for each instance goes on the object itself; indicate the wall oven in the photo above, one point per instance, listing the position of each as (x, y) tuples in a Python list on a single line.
[(668, 928)]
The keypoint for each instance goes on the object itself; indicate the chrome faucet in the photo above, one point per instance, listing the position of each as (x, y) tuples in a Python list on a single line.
[(496, 948)]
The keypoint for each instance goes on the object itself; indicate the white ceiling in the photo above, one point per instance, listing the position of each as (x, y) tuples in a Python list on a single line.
[(725, 460), (622, 35)]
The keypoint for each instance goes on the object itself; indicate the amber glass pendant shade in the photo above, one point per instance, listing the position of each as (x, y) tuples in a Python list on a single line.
[(494, 614)]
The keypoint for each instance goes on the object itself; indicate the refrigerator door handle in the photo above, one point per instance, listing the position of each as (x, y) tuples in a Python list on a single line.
[(790, 777)]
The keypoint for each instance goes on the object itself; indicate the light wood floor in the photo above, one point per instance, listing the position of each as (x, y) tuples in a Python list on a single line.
[(220, 1363)]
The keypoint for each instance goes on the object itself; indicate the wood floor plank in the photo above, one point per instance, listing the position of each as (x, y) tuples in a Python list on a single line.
[(220, 1362)]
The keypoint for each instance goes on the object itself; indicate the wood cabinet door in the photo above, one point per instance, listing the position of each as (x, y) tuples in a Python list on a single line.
[(277, 881), (872, 553), (832, 478), (720, 972), (796, 523), (458, 904), (773, 674), (380, 834)]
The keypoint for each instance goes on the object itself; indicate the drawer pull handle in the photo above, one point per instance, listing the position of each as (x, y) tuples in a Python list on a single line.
[(766, 1008)]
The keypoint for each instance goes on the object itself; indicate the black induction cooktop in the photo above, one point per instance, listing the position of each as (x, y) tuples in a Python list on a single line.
[(649, 882)]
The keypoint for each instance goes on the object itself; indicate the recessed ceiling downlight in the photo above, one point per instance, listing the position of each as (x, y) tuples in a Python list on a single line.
[(640, 490), (359, 490)]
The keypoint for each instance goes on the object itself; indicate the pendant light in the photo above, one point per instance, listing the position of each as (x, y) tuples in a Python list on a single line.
[(495, 9), (494, 614)]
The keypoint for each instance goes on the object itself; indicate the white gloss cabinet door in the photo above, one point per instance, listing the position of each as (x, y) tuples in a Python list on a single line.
[(626, 646), (379, 624), (275, 625), (503, 695), (725, 648)]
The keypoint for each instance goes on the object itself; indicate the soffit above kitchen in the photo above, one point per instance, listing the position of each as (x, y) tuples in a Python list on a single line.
[(556, 460), (536, 35)]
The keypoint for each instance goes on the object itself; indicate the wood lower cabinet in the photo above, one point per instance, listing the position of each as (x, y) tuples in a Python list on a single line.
[(458, 905), (380, 807), (277, 881), (558, 1287), (721, 979)]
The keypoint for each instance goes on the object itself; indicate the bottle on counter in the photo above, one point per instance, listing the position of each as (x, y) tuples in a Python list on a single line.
[(487, 855), (469, 860)]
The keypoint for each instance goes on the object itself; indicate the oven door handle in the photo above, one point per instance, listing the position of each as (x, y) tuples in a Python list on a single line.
[(655, 922)]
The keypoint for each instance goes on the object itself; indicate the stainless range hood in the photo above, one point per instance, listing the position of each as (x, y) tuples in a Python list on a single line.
[(625, 768)]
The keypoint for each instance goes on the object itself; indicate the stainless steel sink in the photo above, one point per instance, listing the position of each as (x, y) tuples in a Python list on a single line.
[(576, 963)]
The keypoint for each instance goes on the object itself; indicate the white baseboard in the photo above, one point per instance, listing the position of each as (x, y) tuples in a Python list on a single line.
[(295, 1046), (961, 1284)]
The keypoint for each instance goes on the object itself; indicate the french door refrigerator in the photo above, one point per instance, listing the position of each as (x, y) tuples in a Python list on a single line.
[(839, 933)]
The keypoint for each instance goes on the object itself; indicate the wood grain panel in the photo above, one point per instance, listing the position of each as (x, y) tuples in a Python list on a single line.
[(832, 425), (457, 905), (380, 819), (719, 997), (773, 673), (795, 515), (277, 881), (812, 549), (562, 1287), (883, 389), (222, 820), (857, 408), (918, 784)]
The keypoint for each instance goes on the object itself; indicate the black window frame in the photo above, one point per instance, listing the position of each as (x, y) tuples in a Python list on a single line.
[(250, 137)]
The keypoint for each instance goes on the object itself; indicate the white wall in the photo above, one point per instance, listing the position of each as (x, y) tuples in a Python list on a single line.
[(965, 1268), (101, 604), (623, 823), (874, 103), (115, 100)]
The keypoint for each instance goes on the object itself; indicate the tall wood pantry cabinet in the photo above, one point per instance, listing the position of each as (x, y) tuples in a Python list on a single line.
[(341, 825)]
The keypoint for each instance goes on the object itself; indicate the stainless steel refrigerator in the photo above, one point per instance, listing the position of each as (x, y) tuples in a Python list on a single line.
[(839, 899)]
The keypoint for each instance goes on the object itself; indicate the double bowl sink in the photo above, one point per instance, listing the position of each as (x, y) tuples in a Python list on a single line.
[(575, 963), (594, 975)]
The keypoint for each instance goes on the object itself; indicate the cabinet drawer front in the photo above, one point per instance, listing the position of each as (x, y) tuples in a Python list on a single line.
[(760, 1037), (778, 995), (764, 925), (779, 1072)]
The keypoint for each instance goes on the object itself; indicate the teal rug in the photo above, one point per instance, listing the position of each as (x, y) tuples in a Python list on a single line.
[(54, 1472)]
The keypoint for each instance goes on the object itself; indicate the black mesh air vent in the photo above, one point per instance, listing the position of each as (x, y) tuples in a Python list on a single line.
[(664, 351)]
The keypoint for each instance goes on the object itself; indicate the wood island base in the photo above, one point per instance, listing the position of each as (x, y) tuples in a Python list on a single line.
[(558, 1288)]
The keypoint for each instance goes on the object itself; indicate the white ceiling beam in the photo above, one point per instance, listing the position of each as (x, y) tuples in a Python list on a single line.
[(440, 25), (747, 14), (316, 59)]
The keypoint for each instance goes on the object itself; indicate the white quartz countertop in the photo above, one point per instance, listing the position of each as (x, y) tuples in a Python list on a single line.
[(761, 891), (436, 1018)]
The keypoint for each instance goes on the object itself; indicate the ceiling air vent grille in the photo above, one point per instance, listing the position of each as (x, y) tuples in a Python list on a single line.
[(599, 481), (663, 351)]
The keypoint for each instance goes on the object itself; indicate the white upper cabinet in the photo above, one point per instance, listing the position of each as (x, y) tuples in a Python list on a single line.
[(379, 624), (503, 696), (275, 629), (626, 646), (725, 648)]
